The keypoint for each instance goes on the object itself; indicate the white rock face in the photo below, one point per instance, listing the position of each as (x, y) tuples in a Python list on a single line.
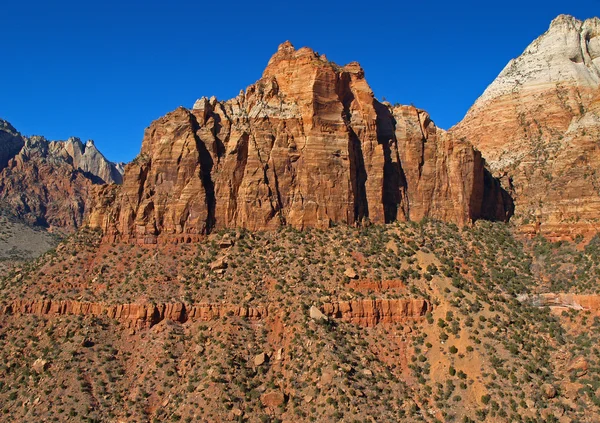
[(87, 158), (568, 52), (316, 314), (538, 124)]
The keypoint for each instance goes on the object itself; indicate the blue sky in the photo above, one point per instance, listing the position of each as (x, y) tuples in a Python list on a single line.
[(105, 70)]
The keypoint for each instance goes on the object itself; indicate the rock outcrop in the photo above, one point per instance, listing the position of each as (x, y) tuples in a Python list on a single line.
[(371, 312), (11, 143), (308, 145), (538, 125), (134, 315), (590, 302), (48, 183), (360, 312), (88, 159)]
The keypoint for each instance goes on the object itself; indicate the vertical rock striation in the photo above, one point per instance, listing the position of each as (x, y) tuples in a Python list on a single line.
[(307, 145)]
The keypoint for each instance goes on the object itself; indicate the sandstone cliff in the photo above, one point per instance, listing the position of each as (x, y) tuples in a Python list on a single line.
[(362, 312), (48, 183), (308, 145), (371, 312), (134, 315), (538, 124)]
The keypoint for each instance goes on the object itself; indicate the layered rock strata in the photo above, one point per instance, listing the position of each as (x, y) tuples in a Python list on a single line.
[(372, 312), (134, 315), (361, 312), (308, 145), (538, 125)]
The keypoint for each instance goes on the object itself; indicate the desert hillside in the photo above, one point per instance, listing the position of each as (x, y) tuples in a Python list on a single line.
[(304, 252)]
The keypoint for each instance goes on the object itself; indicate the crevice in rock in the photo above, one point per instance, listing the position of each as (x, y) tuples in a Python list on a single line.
[(215, 130), (206, 166), (238, 173), (497, 204), (358, 173), (394, 180)]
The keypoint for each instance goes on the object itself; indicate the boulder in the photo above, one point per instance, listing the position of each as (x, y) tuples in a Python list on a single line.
[(351, 273), (39, 365), (579, 366), (260, 359), (548, 390), (218, 264), (272, 399), (316, 314)]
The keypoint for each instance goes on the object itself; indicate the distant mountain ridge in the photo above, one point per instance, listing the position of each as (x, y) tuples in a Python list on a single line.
[(48, 183)]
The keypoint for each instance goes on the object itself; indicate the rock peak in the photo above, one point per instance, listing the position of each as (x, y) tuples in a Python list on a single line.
[(307, 145), (562, 21), (287, 52), (286, 46)]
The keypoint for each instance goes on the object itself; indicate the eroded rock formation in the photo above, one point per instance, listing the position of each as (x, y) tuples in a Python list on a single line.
[(371, 312), (134, 315), (48, 183), (361, 312), (308, 145), (538, 125)]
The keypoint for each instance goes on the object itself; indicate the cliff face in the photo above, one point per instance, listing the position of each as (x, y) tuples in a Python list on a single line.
[(48, 183), (307, 145), (134, 315), (538, 124), (371, 312), (362, 312)]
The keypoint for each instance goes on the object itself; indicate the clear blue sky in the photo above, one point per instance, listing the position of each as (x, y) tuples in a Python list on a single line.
[(104, 70)]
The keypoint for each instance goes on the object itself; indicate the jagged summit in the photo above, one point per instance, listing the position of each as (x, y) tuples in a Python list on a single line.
[(286, 52), (307, 145), (11, 143)]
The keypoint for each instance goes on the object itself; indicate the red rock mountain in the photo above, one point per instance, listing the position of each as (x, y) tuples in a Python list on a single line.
[(48, 183), (538, 126), (308, 145)]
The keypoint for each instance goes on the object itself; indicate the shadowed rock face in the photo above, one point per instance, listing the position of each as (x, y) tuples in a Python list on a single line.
[(10, 143), (307, 145), (48, 183), (538, 125)]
